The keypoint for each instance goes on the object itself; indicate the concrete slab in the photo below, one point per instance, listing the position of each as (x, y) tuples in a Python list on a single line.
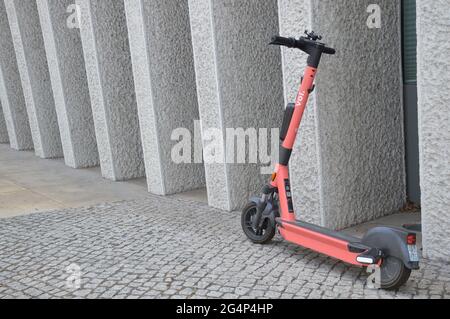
[(433, 83), (21, 201), (9, 187), (3, 130), (33, 68), (29, 184), (69, 83), (199, 195), (348, 166), (163, 67), (11, 93), (239, 85), (82, 193), (359, 113), (107, 56), (295, 18)]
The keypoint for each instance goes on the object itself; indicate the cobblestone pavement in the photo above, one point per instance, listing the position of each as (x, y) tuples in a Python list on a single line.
[(172, 248)]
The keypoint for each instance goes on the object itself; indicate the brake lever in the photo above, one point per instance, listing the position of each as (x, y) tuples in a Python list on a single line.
[(312, 36)]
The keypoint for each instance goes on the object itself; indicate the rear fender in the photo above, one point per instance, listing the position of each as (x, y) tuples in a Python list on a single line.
[(392, 242)]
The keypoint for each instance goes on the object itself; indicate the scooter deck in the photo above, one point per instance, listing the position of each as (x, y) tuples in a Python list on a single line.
[(326, 231), (323, 240)]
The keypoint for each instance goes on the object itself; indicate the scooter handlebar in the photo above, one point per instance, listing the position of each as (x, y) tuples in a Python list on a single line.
[(287, 42), (301, 43)]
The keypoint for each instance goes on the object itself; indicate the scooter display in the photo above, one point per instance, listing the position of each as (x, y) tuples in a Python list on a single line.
[(391, 250)]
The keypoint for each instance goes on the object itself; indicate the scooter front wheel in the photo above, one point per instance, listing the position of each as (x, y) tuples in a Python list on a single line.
[(262, 236), (394, 273)]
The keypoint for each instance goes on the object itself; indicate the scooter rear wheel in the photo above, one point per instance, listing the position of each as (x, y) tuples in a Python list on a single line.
[(262, 236), (394, 273)]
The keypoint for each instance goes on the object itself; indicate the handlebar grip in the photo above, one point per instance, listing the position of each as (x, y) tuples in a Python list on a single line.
[(287, 42), (328, 50)]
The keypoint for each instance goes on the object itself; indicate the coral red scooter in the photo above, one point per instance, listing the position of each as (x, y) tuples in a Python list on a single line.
[(391, 250)]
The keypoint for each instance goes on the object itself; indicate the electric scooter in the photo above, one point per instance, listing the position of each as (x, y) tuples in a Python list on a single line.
[(391, 250)]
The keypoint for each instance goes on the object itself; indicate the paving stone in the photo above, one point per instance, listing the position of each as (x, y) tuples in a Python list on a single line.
[(32, 292), (153, 248), (214, 294), (272, 294)]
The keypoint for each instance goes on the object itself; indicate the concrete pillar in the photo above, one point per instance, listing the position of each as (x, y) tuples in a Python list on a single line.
[(4, 139), (11, 94), (294, 17), (164, 74), (360, 112), (69, 83), (33, 68), (110, 78), (349, 165), (239, 84), (433, 83)]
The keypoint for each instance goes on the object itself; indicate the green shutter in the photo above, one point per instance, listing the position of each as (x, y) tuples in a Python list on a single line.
[(409, 41)]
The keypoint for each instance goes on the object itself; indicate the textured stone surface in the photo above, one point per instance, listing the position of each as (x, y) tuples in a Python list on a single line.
[(208, 98), (294, 17), (69, 83), (110, 78), (33, 68), (359, 113), (168, 248), (11, 93), (239, 83), (163, 67), (3, 130), (433, 82)]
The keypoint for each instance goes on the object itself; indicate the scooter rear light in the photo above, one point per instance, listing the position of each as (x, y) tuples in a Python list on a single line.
[(411, 239)]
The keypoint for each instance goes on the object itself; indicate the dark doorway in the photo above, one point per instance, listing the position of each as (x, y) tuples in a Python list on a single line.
[(409, 45)]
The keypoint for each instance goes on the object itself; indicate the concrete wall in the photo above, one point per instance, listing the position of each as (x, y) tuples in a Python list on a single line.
[(433, 82), (3, 130), (69, 83), (11, 93), (239, 84), (32, 62), (164, 76), (110, 77)]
